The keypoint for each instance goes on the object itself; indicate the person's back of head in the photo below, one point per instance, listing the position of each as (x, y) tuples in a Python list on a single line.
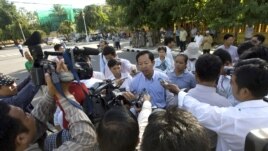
[(172, 130), (244, 47), (57, 47), (256, 52), (252, 74), (208, 67), (108, 51), (10, 128), (168, 40), (118, 131), (225, 57), (113, 62)]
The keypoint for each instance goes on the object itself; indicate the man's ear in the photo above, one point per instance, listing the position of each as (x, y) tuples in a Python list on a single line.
[(22, 139), (245, 94)]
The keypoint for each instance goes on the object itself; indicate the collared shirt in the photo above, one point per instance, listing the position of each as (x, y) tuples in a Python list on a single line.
[(232, 124), (80, 127), (183, 35), (232, 51), (126, 67), (163, 65), (170, 57), (160, 97), (103, 62), (185, 80), (127, 81), (208, 95), (198, 39), (224, 89)]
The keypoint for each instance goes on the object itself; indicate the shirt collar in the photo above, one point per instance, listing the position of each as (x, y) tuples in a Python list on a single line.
[(203, 88), (252, 104)]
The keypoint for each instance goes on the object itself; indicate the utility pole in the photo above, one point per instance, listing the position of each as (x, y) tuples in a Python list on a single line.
[(22, 32), (85, 25)]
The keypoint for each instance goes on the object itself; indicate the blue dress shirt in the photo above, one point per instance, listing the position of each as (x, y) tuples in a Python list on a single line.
[(160, 97), (185, 80)]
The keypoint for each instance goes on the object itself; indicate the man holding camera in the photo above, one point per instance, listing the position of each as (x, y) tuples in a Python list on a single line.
[(18, 95), (19, 129)]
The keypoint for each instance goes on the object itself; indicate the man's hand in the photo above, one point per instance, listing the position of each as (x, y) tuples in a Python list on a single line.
[(129, 96), (173, 88), (146, 97), (61, 67)]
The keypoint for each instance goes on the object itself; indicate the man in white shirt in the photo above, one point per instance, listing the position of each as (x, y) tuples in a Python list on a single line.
[(228, 46), (126, 67), (198, 38), (183, 38), (123, 80), (208, 69), (170, 44), (232, 124)]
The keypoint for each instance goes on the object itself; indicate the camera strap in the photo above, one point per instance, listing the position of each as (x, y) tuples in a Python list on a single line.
[(68, 60)]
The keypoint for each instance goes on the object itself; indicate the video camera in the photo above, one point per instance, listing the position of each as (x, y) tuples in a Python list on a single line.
[(42, 65), (228, 70)]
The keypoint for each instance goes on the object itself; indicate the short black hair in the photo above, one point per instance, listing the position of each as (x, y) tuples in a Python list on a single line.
[(260, 37), (226, 36), (9, 128), (184, 56), (141, 53), (109, 50), (168, 40), (172, 130), (253, 75), (256, 52), (118, 131), (223, 55), (208, 67), (111, 63), (162, 48), (57, 47), (244, 47)]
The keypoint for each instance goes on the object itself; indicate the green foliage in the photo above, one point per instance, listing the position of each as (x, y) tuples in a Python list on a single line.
[(66, 28)]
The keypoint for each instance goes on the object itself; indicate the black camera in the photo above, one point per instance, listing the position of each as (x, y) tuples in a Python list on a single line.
[(228, 70)]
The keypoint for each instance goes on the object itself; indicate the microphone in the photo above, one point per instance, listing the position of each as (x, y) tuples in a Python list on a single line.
[(86, 51)]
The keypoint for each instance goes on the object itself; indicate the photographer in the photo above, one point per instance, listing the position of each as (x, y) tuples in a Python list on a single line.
[(19, 129), (18, 95)]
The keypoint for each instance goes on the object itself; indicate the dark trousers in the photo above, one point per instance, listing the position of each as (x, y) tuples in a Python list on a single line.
[(117, 45), (21, 52), (182, 45), (178, 41)]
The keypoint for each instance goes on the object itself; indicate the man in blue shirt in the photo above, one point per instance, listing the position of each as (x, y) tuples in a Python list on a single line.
[(149, 80)]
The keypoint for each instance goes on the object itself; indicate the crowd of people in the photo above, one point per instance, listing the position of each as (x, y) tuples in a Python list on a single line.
[(193, 101)]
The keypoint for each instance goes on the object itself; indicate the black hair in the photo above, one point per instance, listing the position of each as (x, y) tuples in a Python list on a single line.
[(226, 36), (141, 53), (253, 75), (260, 37), (118, 131), (105, 42), (184, 56), (244, 47), (208, 67), (9, 128), (111, 63), (256, 52), (223, 55), (57, 47), (109, 50), (162, 48), (172, 130), (168, 40)]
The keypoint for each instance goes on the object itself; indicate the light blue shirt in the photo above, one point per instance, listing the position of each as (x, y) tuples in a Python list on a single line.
[(164, 65), (224, 89), (185, 80), (232, 51), (160, 97)]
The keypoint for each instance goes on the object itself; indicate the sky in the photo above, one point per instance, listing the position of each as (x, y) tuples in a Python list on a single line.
[(33, 5)]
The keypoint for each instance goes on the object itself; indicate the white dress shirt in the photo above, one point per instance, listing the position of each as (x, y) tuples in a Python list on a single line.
[(170, 57), (126, 67), (127, 81), (232, 124)]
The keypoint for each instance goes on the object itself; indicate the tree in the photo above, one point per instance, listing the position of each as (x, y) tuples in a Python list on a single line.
[(66, 28), (95, 18)]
